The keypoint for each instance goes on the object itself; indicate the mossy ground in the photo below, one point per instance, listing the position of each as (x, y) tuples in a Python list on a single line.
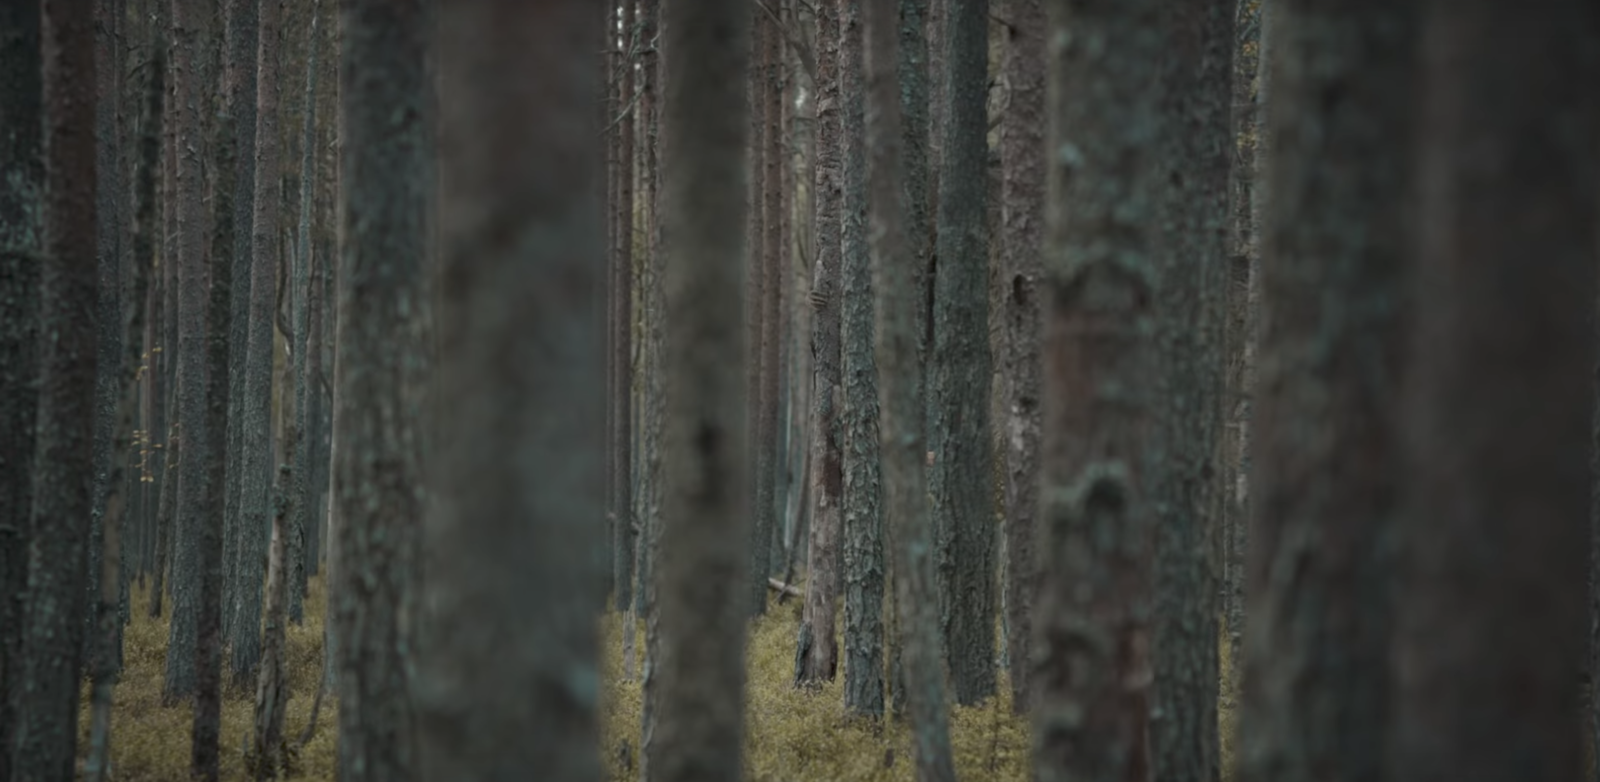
[(790, 734)]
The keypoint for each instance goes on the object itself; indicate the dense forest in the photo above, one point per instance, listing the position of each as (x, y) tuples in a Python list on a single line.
[(671, 390)]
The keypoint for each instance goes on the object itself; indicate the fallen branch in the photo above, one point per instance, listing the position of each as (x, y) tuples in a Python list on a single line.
[(786, 589)]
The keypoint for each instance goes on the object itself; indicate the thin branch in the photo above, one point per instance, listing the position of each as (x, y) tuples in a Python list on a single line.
[(807, 59)]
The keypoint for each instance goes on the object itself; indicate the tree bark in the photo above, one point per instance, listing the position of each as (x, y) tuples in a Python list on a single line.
[(1022, 155), (257, 464), (22, 193), (1091, 630), (46, 738), (383, 55), (699, 720), (765, 441), (1490, 607), (1328, 473), (961, 478), (827, 476), (516, 568), (900, 393), (268, 755), (623, 329)]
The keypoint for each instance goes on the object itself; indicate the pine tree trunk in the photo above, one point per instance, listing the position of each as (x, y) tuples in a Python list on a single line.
[(827, 477), (1490, 606), (21, 234), (383, 64), (300, 492), (1327, 476), (63, 458), (900, 393), (764, 443), (1022, 154), (622, 346), (257, 465), (1092, 623), (267, 757), (516, 551), (699, 666)]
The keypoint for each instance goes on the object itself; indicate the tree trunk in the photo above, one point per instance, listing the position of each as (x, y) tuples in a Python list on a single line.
[(257, 464), (863, 511), (1490, 609), (268, 756), (1022, 154), (517, 568), (623, 328), (765, 436), (300, 492), (1328, 476), (46, 740), (961, 478), (188, 22), (380, 382), (21, 228), (900, 394), (827, 477), (1091, 630), (700, 665)]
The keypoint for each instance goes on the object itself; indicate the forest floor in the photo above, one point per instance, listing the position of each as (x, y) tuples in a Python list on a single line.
[(790, 734)]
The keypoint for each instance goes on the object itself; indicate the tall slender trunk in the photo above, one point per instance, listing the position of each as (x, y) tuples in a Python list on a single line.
[(300, 491), (268, 756), (700, 665), (21, 238), (1091, 629), (256, 481), (517, 568), (1022, 202), (46, 739), (622, 300), (900, 393), (1494, 526), (764, 443), (383, 57)]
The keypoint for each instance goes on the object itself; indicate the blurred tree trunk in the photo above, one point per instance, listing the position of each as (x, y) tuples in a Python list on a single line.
[(863, 510), (1092, 627), (383, 65), (900, 392), (961, 478), (623, 329), (301, 525), (765, 440), (46, 738), (1022, 153), (818, 643), (700, 667), (1490, 610), (21, 240), (1327, 476), (516, 569), (268, 756)]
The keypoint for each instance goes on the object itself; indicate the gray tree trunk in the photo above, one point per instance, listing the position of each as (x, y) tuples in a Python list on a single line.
[(819, 655), (243, 41), (960, 480), (699, 664), (21, 229), (383, 56), (1022, 202), (188, 20), (1092, 623), (46, 738), (257, 465), (622, 273), (900, 395), (863, 511), (1327, 475), (300, 524), (763, 440), (516, 568), (1489, 620)]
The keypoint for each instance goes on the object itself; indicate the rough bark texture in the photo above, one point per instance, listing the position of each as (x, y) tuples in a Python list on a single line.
[(764, 442), (755, 233), (383, 49), (301, 526), (622, 273), (700, 665), (256, 481), (1022, 130), (961, 478), (827, 476), (188, 19), (46, 738), (652, 385), (515, 568), (864, 569), (1196, 91), (268, 755), (1489, 616), (900, 393), (1091, 630), (1327, 477), (243, 41), (21, 213)]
